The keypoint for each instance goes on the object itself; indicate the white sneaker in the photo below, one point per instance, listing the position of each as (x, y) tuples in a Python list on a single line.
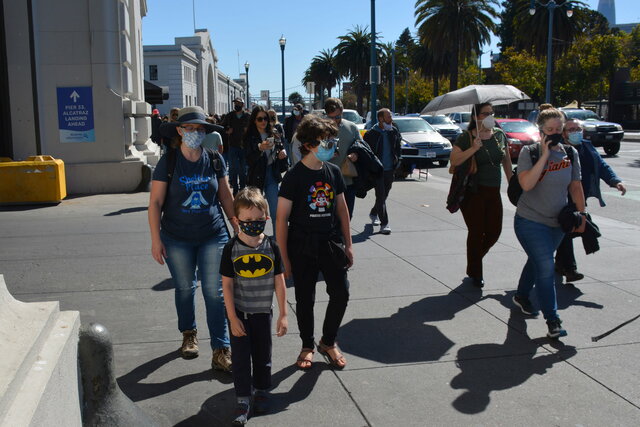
[(385, 229), (374, 219)]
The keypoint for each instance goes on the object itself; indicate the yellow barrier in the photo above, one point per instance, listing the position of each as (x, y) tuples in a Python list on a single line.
[(39, 179)]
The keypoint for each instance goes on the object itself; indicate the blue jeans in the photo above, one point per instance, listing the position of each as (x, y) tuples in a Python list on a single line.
[(539, 241), (271, 194), (237, 168), (182, 259)]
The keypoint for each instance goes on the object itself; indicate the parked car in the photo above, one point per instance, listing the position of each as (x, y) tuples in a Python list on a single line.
[(444, 125), (422, 145), (352, 116), (601, 134), (461, 118), (519, 132)]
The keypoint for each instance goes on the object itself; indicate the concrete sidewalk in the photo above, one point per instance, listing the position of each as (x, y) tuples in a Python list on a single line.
[(423, 346)]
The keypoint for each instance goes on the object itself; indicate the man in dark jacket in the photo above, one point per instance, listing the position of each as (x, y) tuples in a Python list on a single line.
[(291, 123), (235, 123), (592, 169), (384, 139)]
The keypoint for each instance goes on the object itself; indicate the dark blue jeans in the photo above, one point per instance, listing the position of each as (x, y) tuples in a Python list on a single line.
[(539, 241), (252, 350), (183, 257)]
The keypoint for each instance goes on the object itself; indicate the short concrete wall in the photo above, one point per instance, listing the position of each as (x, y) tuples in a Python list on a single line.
[(39, 383)]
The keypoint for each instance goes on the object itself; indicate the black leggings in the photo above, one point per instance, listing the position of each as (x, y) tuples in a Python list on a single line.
[(306, 263)]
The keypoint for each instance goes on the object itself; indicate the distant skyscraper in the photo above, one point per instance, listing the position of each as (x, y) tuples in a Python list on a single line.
[(608, 9)]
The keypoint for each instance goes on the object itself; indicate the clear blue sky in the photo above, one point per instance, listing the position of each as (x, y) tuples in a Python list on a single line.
[(249, 31)]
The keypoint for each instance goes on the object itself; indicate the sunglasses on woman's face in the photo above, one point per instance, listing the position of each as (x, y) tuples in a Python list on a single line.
[(262, 119)]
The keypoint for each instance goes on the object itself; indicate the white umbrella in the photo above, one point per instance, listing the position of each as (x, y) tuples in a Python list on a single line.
[(464, 99)]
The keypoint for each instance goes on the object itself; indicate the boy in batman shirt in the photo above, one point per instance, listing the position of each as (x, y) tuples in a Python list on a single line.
[(251, 269)]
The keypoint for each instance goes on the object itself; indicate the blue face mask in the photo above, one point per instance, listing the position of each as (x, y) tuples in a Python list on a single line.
[(575, 138), (326, 150)]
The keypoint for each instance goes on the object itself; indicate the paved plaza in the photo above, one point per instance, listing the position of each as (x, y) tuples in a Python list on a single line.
[(424, 348)]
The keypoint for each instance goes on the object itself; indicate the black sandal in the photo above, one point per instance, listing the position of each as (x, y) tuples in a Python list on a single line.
[(303, 360)]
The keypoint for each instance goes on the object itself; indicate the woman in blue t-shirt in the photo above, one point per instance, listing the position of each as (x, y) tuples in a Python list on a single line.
[(188, 231)]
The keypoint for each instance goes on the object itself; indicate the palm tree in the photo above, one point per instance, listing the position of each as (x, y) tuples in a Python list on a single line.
[(323, 72), (353, 59), (531, 31), (430, 64), (455, 28)]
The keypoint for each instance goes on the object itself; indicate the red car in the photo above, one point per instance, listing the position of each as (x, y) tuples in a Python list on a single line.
[(519, 132)]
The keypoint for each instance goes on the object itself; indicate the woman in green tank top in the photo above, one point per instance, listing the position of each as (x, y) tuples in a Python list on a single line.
[(482, 204)]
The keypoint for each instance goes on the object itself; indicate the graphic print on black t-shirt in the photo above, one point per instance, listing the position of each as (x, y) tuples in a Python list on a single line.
[(194, 185), (321, 198)]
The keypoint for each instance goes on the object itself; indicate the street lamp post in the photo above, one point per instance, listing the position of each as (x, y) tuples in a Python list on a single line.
[(393, 81), (406, 90), (373, 70), (282, 42), (551, 7), (246, 69)]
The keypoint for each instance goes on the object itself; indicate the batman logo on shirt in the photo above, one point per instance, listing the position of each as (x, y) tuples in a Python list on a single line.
[(252, 265)]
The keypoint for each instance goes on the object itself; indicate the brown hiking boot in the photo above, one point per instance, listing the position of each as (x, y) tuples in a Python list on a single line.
[(221, 359), (189, 344)]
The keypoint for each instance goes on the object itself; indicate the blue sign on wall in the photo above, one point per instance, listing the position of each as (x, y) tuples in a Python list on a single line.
[(75, 114)]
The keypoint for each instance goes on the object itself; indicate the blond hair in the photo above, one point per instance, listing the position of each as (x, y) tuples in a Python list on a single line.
[(249, 197)]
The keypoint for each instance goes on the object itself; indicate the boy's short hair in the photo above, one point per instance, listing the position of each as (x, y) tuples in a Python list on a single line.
[(332, 104), (250, 197), (313, 128)]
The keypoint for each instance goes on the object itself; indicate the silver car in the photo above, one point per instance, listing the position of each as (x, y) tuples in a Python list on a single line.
[(422, 145), (444, 125)]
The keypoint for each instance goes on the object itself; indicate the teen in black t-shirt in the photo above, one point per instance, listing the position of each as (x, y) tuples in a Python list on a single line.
[(312, 226)]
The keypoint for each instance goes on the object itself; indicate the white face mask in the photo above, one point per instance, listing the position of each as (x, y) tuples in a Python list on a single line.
[(489, 122), (387, 126)]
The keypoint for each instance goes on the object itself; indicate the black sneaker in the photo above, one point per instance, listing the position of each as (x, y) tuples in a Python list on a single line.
[(477, 281), (261, 402), (555, 328), (241, 414), (525, 305), (573, 275)]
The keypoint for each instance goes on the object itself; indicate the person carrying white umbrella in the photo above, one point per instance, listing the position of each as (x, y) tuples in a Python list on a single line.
[(481, 207)]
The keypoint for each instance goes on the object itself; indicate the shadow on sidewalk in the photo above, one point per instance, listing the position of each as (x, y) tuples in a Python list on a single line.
[(132, 385), (404, 337), (219, 408), (126, 211), (480, 375)]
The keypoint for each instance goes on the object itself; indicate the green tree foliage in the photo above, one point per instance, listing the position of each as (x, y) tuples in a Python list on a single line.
[(456, 28), (353, 59), (633, 47), (522, 70), (586, 69), (505, 30), (531, 31), (295, 98), (323, 72)]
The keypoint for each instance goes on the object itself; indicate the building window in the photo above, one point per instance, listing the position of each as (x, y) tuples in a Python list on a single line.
[(153, 72)]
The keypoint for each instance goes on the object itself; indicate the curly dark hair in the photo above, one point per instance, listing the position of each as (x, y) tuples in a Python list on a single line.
[(312, 129)]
